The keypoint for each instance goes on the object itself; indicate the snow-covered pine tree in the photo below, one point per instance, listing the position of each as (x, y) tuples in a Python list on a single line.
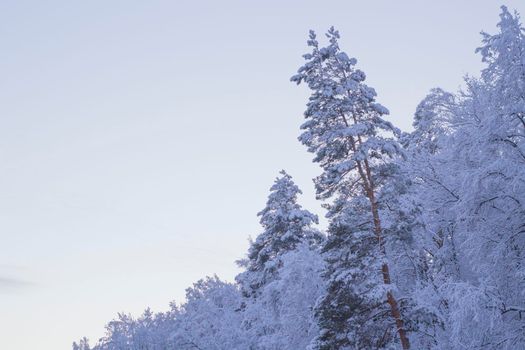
[(286, 224), (345, 129), (282, 259)]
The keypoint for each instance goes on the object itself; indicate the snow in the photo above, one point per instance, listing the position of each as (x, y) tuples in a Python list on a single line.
[(432, 221)]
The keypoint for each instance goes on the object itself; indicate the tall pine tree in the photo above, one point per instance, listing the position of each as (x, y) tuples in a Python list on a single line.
[(345, 129)]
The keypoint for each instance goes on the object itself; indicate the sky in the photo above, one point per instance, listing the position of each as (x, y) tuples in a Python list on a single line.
[(138, 139)]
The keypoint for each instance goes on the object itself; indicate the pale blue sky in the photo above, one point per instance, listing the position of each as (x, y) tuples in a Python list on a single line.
[(138, 139)]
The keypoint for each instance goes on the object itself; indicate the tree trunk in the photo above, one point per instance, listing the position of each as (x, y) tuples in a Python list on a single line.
[(396, 314), (368, 184)]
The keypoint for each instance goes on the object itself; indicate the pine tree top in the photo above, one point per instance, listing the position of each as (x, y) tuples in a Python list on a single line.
[(344, 124), (286, 225)]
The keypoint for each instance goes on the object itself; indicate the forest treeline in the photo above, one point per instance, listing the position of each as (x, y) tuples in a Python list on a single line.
[(424, 247)]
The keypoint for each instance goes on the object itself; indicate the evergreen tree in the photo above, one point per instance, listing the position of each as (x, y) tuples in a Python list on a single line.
[(285, 225), (345, 129)]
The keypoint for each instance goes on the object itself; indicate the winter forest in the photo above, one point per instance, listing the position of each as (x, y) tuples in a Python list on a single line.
[(425, 244)]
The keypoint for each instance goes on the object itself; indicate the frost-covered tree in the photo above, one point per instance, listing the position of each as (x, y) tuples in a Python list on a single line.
[(148, 332), (119, 334), (467, 160), (432, 121), (83, 344), (281, 317), (210, 318), (286, 224), (271, 314), (433, 191), (487, 306), (346, 130)]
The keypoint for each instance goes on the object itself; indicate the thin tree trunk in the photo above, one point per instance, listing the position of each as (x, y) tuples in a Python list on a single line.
[(384, 268), (368, 185)]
